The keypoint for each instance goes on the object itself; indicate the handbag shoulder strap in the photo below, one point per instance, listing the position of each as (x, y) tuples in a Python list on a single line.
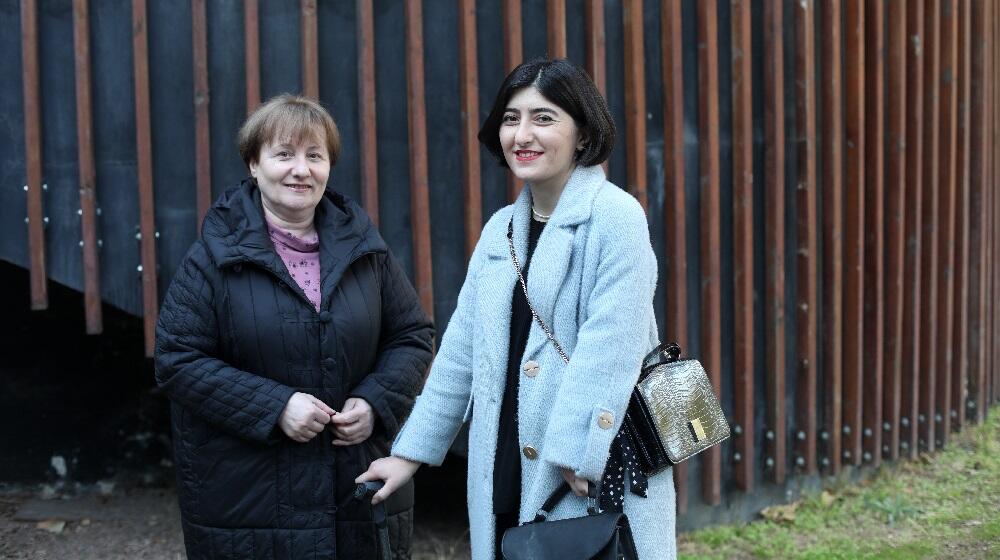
[(524, 287)]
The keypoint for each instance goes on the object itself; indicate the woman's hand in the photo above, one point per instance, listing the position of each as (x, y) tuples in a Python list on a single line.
[(579, 485), (393, 471), (354, 424), (304, 417)]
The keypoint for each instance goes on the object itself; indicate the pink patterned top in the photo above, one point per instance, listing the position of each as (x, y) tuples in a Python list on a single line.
[(301, 258)]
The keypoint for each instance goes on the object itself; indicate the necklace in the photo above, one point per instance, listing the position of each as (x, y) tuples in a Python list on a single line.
[(539, 215)]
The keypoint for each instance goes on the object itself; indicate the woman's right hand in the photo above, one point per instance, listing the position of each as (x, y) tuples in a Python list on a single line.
[(393, 471), (304, 417)]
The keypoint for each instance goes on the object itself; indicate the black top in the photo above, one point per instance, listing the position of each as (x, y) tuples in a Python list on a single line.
[(507, 466)]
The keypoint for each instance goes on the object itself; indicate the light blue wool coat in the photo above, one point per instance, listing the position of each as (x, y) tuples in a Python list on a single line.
[(592, 279)]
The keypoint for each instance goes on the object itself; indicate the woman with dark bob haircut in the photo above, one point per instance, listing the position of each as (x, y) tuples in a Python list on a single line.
[(544, 415), (291, 346)]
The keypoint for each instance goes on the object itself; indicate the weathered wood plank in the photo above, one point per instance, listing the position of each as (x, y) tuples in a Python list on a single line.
[(710, 219), (88, 177), (929, 336), (874, 239), (833, 233), (674, 199), (854, 213), (33, 155), (807, 253), (635, 100), (251, 42), (468, 79), (743, 238), (420, 210), (774, 242), (144, 164), (367, 119), (310, 48), (203, 147), (895, 227), (912, 263)]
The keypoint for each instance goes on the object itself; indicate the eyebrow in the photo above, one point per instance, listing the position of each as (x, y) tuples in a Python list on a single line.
[(534, 111)]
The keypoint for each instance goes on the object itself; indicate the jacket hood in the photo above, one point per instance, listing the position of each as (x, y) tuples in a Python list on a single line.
[(234, 229)]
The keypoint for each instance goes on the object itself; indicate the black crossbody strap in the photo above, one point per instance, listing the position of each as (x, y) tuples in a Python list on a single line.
[(524, 286)]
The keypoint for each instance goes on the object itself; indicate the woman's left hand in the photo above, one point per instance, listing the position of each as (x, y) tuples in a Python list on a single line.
[(354, 423), (579, 485)]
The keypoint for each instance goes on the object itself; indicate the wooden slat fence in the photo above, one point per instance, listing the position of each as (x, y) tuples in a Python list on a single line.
[(826, 226)]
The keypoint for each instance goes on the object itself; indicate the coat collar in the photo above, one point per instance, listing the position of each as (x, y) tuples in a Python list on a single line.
[(235, 232), (575, 206)]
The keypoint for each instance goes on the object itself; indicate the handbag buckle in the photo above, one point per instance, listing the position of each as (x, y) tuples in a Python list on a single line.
[(697, 429)]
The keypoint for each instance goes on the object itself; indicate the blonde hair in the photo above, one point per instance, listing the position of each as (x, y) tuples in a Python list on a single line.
[(284, 117)]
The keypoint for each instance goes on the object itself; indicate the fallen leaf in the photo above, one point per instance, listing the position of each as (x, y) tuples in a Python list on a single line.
[(52, 526), (826, 498), (780, 514)]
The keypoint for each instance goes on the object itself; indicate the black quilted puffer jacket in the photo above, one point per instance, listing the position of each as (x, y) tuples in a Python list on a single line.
[(237, 337)]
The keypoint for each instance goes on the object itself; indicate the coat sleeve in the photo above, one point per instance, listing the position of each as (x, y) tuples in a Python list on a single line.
[(405, 346), (441, 407), (605, 362), (190, 373)]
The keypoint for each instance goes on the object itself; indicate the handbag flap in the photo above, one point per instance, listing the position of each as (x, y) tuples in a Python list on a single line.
[(684, 408), (570, 539)]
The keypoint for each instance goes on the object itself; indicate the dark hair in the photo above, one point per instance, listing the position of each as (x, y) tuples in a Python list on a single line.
[(284, 117), (568, 86)]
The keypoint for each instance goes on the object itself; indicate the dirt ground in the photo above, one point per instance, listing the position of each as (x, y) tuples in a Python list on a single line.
[(103, 522)]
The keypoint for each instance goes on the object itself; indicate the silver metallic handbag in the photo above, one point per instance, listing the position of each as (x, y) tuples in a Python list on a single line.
[(673, 413)]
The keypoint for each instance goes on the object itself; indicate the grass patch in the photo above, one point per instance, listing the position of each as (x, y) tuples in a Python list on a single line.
[(940, 506)]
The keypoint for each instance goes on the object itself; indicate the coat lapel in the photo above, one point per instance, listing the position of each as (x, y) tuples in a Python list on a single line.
[(551, 260), (496, 286)]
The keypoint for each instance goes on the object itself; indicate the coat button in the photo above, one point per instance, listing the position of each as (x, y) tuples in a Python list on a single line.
[(605, 420), (530, 368), (530, 452), (325, 316)]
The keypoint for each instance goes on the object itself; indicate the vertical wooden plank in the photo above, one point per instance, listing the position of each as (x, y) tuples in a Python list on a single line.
[(367, 120), (946, 219), (675, 217), (203, 147), (420, 210), (807, 253), (85, 154), (913, 307), (743, 238), (144, 164), (774, 240), (251, 40), (959, 344), (555, 26), (929, 243), (979, 127), (833, 239), (468, 79), (635, 100), (874, 239), (310, 48), (513, 54), (33, 155), (593, 18), (854, 214), (895, 212), (710, 204)]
